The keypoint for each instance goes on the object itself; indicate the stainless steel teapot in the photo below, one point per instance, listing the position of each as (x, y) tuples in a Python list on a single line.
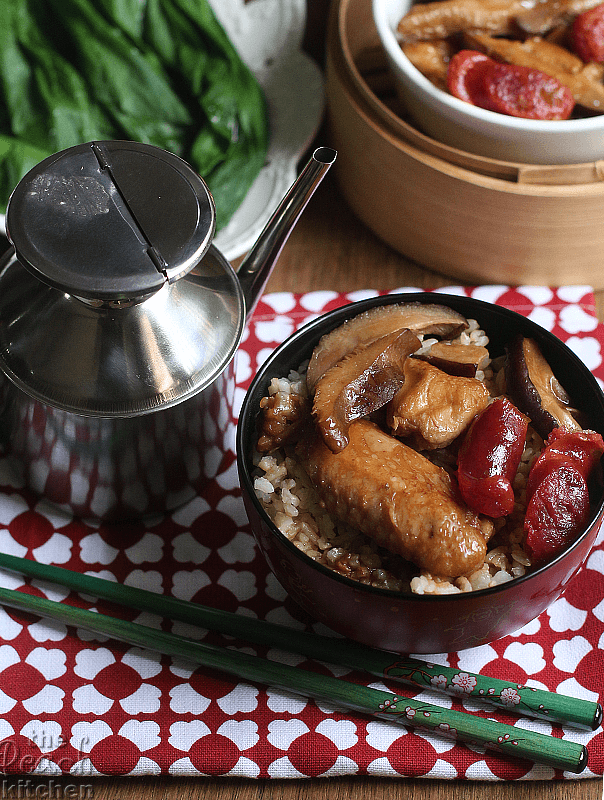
[(119, 322)]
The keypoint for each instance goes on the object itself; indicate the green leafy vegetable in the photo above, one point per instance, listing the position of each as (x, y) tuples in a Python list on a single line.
[(162, 72)]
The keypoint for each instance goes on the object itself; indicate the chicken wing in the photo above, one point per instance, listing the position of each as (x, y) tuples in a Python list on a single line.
[(399, 498)]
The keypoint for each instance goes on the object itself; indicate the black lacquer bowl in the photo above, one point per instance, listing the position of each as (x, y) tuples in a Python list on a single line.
[(401, 621)]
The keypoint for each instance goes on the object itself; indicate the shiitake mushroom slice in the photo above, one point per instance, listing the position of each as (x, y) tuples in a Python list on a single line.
[(533, 387), (421, 318), (454, 358), (359, 384)]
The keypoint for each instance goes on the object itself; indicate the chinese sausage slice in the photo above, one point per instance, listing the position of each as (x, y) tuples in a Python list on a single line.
[(399, 498)]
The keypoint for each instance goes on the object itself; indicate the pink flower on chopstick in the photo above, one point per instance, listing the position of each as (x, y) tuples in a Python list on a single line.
[(447, 729), (509, 697), (462, 683), (439, 682)]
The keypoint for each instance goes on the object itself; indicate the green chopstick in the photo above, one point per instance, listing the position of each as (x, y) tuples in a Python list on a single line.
[(506, 739), (503, 694)]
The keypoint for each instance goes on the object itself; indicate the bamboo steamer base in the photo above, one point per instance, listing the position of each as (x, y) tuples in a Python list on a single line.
[(477, 220)]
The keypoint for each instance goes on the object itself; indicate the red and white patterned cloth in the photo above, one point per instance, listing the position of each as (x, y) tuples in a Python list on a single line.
[(74, 703)]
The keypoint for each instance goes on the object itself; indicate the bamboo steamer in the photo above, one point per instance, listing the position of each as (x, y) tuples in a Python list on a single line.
[(469, 217)]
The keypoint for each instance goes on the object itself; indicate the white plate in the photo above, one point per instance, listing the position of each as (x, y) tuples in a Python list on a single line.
[(268, 35)]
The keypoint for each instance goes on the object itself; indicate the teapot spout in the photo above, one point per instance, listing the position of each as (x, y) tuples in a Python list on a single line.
[(257, 266)]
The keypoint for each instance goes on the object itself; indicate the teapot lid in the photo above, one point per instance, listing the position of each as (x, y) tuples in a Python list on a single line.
[(110, 221)]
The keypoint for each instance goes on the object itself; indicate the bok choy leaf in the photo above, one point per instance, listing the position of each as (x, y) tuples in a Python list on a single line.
[(162, 72)]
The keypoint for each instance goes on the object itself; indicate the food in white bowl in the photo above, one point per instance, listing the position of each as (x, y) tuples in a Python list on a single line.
[(495, 45), (403, 457)]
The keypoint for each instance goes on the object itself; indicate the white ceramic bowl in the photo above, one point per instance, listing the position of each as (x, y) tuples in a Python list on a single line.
[(476, 130)]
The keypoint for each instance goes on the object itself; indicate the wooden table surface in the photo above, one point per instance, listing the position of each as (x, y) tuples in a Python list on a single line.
[(329, 249)]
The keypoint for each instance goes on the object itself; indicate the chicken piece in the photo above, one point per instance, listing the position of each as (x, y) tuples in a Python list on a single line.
[(399, 498), (438, 20), (550, 58), (545, 15), (535, 48), (431, 59), (432, 407)]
